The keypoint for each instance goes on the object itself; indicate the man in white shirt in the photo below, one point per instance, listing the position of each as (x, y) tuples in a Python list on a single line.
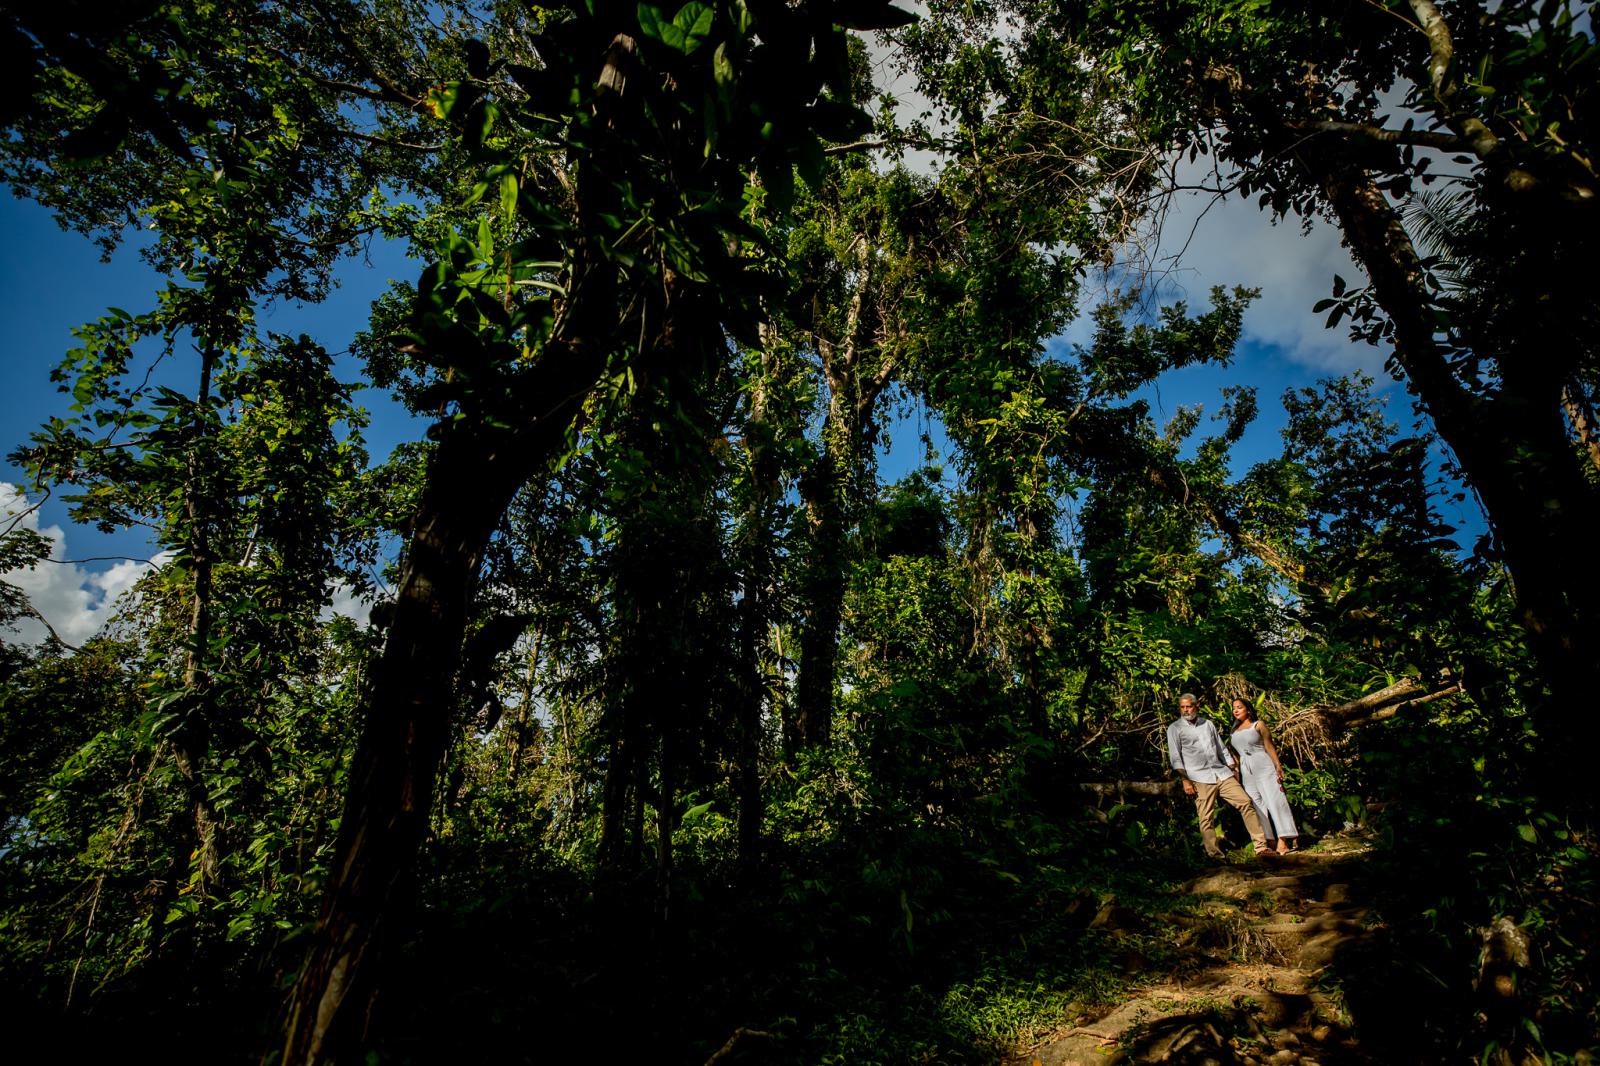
[(1197, 753)]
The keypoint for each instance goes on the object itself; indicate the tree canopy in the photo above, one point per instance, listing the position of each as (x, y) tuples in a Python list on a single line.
[(674, 715)]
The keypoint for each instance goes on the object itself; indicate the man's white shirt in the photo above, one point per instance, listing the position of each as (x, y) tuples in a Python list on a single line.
[(1195, 750)]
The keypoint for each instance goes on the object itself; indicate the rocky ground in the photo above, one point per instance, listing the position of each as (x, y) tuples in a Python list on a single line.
[(1259, 981)]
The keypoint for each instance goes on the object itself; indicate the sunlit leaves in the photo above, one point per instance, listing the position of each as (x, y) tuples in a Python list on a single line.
[(685, 32)]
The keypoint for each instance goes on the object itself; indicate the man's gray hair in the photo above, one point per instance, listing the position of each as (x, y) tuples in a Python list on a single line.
[(1187, 697)]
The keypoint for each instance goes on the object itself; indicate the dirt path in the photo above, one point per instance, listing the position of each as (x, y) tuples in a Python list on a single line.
[(1252, 985)]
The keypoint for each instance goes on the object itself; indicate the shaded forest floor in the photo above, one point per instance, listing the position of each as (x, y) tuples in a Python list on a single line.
[(1275, 965), (1138, 955), (1298, 959)]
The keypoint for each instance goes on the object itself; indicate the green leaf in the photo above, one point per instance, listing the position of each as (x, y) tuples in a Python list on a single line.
[(693, 20), (508, 195), (654, 25), (722, 66), (444, 99)]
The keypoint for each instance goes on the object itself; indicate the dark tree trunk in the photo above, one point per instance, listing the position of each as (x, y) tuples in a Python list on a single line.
[(823, 587), (523, 727), (402, 745), (747, 783), (658, 582), (406, 729), (666, 822), (613, 805), (622, 842), (830, 490), (192, 738), (755, 547), (1515, 451)]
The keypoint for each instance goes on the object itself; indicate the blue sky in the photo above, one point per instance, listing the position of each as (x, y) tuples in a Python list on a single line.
[(51, 281)]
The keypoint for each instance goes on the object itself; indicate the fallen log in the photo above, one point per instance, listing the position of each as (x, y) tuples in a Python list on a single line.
[(1121, 790), (1306, 731)]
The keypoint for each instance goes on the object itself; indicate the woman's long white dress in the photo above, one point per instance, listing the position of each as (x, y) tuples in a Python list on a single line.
[(1260, 779)]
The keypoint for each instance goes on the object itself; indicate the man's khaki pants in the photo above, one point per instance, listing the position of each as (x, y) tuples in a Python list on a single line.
[(1205, 803)]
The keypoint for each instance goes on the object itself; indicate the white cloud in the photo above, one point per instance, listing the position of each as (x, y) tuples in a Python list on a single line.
[(347, 602), (76, 600), (1207, 239)]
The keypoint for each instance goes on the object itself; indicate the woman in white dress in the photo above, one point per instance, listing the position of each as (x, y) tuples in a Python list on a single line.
[(1262, 775)]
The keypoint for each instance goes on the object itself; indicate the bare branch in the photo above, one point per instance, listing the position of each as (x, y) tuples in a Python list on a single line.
[(1441, 48), (34, 614), (389, 142), (1448, 142), (877, 143), (353, 50), (1478, 136)]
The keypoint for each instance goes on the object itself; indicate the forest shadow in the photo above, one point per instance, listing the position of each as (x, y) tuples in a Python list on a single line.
[(867, 950)]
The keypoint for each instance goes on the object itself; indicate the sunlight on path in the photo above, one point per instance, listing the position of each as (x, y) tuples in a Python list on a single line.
[(1256, 984)]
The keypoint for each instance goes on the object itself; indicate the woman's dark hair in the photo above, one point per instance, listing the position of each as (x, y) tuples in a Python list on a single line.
[(1249, 708)]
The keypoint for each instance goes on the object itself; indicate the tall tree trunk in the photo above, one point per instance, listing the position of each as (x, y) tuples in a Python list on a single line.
[(826, 491), (1581, 415), (402, 746), (406, 728), (752, 696), (655, 582), (666, 811), (1513, 448), (756, 549), (1033, 639), (830, 489), (193, 735), (524, 721), (787, 701), (613, 805), (634, 682)]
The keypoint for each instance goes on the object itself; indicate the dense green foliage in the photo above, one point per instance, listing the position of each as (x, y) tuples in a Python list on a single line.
[(732, 742)]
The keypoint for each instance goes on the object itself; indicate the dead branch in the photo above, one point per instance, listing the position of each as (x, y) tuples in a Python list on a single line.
[(739, 1035), (1121, 790), (1316, 728)]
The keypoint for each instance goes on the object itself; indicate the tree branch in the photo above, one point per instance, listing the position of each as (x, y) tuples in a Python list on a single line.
[(1120, 790), (871, 390), (1448, 142), (33, 612), (1582, 417), (1441, 49), (874, 144), (389, 142), (1478, 136), (353, 51), (1323, 724)]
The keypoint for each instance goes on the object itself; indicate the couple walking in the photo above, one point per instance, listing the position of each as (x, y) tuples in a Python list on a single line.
[(1207, 769)]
